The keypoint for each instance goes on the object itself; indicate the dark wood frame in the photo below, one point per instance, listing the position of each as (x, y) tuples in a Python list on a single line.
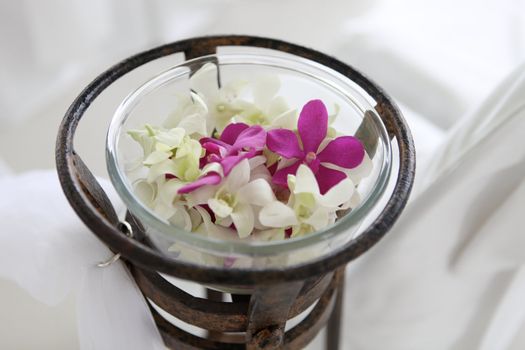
[(279, 293)]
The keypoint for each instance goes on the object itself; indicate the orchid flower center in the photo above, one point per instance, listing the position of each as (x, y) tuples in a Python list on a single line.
[(303, 212), (227, 198), (310, 157), (257, 119), (220, 107)]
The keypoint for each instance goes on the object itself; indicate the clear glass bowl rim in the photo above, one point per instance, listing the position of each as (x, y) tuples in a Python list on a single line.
[(242, 247)]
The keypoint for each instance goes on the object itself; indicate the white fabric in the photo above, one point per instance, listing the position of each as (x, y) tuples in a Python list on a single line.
[(438, 57), (449, 275), (50, 254), (4, 169)]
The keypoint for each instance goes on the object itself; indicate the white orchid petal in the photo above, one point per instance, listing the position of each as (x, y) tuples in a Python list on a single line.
[(256, 161), (161, 169), (362, 170), (212, 167), (305, 181), (243, 219), (200, 196), (190, 148), (183, 104), (168, 190), (210, 229), (230, 92), (161, 147), (145, 191), (277, 214), (194, 124), (156, 157), (306, 199), (181, 218), (204, 81), (257, 223), (277, 106), (264, 89), (239, 176), (199, 103), (219, 207), (133, 165), (163, 211), (172, 138), (261, 172), (195, 217), (257, 192), (353, 202), (332, 116), (226, 222), (274, 234), (339, 194), (286, 120), (319, 218)]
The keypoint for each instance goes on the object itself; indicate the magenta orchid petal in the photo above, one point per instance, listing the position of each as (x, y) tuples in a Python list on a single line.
[(313, 125), (229, 162), (213, 148), (231, 132), (253, 137), (284, 142), (214, 158), (281, 176), (212, 178), (328, 178), (345, 151), (314, 165), (206, 140)]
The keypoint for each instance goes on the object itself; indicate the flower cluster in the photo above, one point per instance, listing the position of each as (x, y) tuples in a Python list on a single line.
[(229, 168)]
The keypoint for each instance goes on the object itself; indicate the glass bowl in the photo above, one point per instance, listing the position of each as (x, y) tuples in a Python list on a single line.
[(301, 80)]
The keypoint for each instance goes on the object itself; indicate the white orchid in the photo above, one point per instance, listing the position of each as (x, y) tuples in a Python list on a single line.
[(234, 200), (225, 103), (307, 210), (190, 115), (161, 196), (169, 151), (222, 102), (268, 109)]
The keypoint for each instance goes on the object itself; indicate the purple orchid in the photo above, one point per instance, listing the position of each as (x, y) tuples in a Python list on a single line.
[(238, 141), (312, 126)]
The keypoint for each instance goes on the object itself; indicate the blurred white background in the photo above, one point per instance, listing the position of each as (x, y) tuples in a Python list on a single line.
[(437, 58)]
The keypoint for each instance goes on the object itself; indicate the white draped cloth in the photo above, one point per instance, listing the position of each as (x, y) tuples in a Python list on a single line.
[(50, 254), (450, 274)]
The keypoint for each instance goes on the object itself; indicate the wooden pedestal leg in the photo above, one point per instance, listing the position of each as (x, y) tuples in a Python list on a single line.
[(333, 327), (267, 315)]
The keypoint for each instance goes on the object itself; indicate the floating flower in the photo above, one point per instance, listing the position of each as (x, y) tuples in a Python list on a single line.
[(238, 141), (268, 109), (221, 102), (233, 201), (190, 114), (344, 151), (169, 153), (308, 210)]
